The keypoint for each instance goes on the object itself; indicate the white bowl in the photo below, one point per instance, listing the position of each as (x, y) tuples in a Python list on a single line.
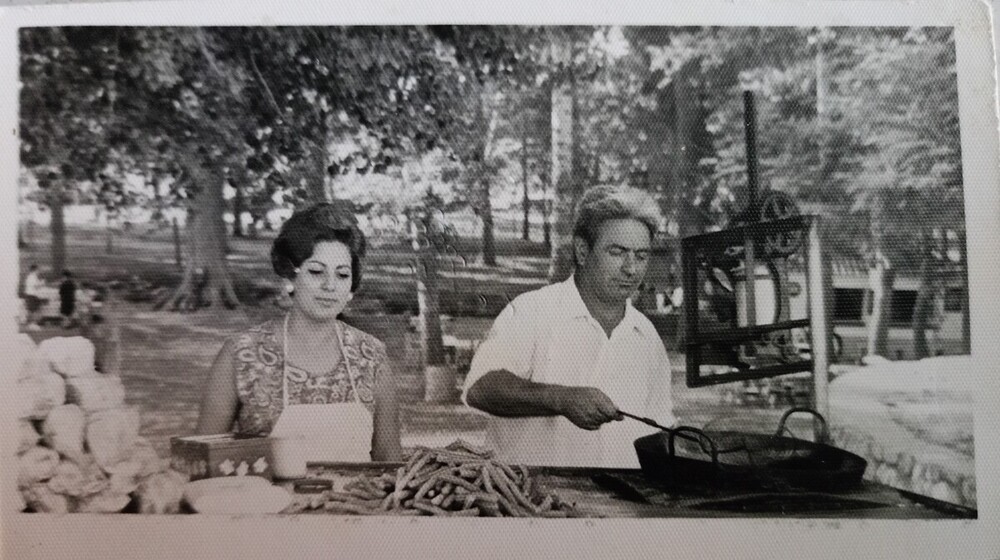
[(231, 488), (268, 499)]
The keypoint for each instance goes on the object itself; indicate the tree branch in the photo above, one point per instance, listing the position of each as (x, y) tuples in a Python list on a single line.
[(491, 127), (210, 58), (263, 83)]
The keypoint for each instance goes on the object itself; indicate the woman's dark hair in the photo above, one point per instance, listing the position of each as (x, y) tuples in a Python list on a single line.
[(328, 221)]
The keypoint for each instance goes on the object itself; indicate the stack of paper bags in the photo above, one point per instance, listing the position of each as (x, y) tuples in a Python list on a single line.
[(79, 447)]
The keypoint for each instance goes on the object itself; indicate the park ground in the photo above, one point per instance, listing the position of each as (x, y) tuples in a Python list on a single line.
[(164, 356)]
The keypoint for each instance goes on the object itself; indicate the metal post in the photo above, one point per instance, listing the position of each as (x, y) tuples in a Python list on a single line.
[(689, 269), (750, 264), (820, 294), (750, 128), (750, 289)]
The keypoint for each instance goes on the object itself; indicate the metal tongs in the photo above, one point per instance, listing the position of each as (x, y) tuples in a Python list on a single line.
[(644, 420), (691, 434)]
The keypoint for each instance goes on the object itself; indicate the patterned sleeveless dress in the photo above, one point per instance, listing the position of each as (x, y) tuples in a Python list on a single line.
[(258, 361)]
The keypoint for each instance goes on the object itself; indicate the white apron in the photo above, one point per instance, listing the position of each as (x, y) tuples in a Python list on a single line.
[(335, 432)]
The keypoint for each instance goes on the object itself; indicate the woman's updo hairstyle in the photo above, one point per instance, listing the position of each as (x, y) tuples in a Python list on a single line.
[(327, 221)]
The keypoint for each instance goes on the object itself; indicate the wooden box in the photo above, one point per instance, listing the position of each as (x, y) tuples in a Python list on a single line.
[(221, 455)]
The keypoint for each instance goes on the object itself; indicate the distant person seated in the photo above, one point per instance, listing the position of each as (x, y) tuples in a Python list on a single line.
[(309, 356), (67, 299), (32, 297), (561, 362), (677, 298)]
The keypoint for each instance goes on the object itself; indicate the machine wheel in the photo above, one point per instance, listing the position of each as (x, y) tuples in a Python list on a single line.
[(777, 206)]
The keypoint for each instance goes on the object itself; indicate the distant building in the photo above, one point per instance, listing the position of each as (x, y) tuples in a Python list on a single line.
[(851, 309)]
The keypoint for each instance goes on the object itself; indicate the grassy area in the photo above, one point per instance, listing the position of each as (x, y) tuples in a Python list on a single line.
[(467, 287)]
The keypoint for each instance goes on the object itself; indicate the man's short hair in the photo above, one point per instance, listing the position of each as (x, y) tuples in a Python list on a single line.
[(603, 203)]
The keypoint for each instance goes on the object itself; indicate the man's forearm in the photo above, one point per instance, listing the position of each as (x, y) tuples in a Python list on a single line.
[(502, 393)]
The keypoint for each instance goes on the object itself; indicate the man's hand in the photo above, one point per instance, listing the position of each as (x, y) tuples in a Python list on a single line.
[(502, 393), (586, 407)]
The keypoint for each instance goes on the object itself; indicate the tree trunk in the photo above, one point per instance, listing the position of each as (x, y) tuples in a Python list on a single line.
[(428, 298), (178, 258), (822, 92), (546, 215), (526, 200), (688, 120), (486, 212), (964, 264), (318, 177), (882, 278), (489, 111), (923, 308), (206, 281), (434, 344), (922, 311), (57, 227), (238, 180), (440, 379), (317, 180), (254, 219), (566, 189), (154, 184)]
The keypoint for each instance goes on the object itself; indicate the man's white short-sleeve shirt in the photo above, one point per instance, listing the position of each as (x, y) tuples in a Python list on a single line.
[(549, 336)]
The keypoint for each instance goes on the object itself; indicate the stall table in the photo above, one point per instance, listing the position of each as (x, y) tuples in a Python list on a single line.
[(627, 493)]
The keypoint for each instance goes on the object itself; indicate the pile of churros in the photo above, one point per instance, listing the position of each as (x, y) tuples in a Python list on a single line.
[(460, 480)]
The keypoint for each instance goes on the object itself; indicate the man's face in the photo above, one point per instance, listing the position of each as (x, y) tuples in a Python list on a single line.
[(616, 264)]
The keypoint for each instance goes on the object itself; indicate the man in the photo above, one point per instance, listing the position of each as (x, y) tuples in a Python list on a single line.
[(32, 297), (562, 361)]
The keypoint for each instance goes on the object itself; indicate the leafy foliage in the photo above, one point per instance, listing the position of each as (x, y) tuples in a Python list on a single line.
[(848, 119)]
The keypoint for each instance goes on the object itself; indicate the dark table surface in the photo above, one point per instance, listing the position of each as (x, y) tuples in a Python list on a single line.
[(627, 493)]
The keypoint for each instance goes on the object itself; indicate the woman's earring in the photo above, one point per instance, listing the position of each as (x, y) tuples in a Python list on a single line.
[(290, 288)]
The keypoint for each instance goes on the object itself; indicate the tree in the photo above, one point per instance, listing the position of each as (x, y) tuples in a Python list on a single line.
[(195, 101), (489, 64), (188, 96), (913, 185), (529, 118), (858, 121), (568, 62), (67, 99)]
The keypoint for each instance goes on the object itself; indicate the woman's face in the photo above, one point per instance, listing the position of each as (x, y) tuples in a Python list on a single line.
[(323, 282)]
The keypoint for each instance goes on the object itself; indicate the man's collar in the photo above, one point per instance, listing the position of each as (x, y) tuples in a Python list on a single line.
[(576, 308), (572, 300)]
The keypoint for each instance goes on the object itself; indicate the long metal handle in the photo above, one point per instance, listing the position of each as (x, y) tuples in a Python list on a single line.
[(644, 420)]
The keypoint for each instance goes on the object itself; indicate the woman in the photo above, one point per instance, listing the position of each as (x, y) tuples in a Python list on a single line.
[(309, 357)]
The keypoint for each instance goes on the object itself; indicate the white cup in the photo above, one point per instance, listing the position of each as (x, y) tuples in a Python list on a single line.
[(289, 456)]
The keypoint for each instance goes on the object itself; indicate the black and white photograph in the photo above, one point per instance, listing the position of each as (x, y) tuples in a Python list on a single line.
[(541, 277)]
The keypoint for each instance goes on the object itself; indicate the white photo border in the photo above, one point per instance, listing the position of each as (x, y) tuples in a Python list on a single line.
[(135, 536)]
